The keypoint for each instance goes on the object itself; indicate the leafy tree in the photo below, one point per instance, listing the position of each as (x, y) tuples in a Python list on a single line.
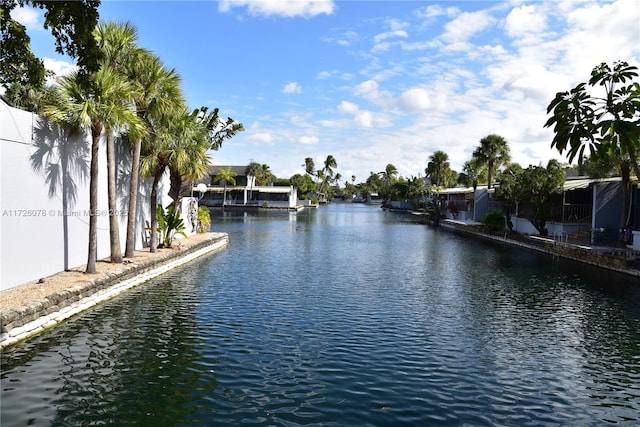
[(581, 120), (303, 183), (416, 190), (608, 125), (535, 185), (509, 191), (71, 24), (493, 152)]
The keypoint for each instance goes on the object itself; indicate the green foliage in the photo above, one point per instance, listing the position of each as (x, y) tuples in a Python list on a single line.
[(303, 183), (493, 152), (581, 120), (170, 224), (532, 185), (439, 171), (204, 219), (71, 24), (473, 173), (494, 221), (536, 184)]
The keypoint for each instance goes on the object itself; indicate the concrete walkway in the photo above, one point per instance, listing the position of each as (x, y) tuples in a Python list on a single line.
[(18, 323)]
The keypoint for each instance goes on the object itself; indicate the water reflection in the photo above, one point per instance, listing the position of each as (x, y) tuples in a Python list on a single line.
[(343, 316)]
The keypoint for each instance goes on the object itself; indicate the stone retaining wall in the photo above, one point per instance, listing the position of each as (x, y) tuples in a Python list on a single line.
[(611, 259), (28, 320)]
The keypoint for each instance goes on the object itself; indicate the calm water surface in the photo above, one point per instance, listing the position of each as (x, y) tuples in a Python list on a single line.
[(345, 316)]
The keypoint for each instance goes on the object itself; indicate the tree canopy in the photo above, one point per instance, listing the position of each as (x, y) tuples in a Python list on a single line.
[(71, 23)]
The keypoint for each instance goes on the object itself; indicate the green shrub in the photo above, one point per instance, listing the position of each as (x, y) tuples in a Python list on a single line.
[(204, 219), (493, 221), (170, 223)]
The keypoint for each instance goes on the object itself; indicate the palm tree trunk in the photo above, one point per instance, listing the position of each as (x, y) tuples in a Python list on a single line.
[(114, 228), (153, 244), (133, 200), (93, 202)]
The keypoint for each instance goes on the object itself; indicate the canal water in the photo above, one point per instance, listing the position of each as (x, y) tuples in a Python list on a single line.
[(347, 315)]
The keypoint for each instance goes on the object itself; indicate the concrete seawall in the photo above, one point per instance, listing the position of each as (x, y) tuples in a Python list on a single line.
[(20, 323), (614, 259)]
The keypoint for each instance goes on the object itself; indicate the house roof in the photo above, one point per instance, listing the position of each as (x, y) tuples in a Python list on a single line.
[(239, 170), (282, 189)]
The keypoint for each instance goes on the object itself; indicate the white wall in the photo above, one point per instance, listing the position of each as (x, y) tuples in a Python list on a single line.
[(33, 242)]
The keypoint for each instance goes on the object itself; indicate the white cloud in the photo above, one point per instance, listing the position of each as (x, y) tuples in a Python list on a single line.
[(292, 87), (525, 20), (348, 107), (308, 140), (364, 119), (418, 99), (27, 16), (434, 11), (286, 8), (261, 138), (59, 68), (464, 26), (370, 90)]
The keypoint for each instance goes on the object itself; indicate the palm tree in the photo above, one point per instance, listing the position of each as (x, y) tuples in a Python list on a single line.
[(179, 143), (492, 152), (326, 174), (228, 177), (309, 166), (473, 172), (388, 176), (190, 159), (253, 169), (117, 43), (157, 90), (265, 176), (90, 104), (437, 167)]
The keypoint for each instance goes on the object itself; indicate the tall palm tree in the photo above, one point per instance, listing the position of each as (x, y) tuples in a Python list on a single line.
[(492, 152), (309, 166), (93, 103), (327, 173), (157, 90), (253, 169), (117, 42), (388, 176), (228, 177), (437, 167)]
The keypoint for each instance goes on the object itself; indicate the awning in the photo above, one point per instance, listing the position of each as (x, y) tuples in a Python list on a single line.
[(577, 184)]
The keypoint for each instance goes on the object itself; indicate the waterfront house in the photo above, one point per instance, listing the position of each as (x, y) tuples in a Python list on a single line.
[(586, 208), (244, 193)]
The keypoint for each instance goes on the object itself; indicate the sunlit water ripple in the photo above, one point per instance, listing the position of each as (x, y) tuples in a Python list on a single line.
[(345, 316)]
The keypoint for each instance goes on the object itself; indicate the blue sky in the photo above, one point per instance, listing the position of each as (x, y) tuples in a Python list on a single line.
[(374, 82)]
